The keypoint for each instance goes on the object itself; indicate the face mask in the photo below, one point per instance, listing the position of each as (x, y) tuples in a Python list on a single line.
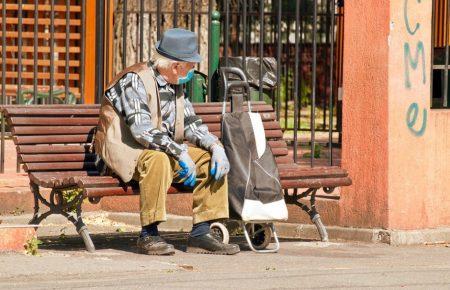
[(187, 78)]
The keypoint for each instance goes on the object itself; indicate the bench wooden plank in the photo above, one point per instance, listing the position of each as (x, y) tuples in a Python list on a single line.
[(14, 121), (48, 179), (53, 111), (316, 182), (52, 139), (52, 166), (50, 130), (57, 157), (54, 148)]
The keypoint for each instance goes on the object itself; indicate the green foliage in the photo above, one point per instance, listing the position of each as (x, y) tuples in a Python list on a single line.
[(32, 246), (69, 195), (317, 152)]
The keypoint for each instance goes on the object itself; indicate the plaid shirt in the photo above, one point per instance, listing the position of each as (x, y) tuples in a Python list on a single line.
[(129, 98)]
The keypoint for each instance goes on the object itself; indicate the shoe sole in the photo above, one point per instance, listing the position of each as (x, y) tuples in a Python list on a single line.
[(203, 251), (168, 252)]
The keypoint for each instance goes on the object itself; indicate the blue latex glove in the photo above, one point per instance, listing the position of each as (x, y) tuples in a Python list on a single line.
[(188, 170), (219, 162)]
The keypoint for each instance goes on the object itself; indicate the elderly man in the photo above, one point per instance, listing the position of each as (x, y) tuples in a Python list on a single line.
[(144, 118)]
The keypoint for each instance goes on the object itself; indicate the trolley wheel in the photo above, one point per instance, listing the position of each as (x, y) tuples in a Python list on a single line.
[(260, 235), (220, 232)]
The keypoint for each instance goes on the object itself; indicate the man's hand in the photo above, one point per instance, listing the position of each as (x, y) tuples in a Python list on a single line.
[(219, 162), (187, 169)]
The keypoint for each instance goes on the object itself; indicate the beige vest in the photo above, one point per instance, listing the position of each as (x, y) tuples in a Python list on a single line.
[(113, 139)]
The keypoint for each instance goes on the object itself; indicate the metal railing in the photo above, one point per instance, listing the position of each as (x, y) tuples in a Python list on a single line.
[(303, 36), (42, 54)]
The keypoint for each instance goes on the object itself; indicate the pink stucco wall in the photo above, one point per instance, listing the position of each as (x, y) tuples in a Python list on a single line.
[(365, 123), (399, 162)]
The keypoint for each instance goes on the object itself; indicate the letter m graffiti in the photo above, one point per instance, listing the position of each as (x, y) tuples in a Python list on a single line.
[(413, 62)]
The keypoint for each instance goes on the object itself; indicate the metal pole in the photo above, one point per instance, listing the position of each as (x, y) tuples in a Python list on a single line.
[(226, 31), (175, 13), (141, 31), (35, 52), (19, 58), (279, 60), (52, 49), (447, 56), (2, 154), (124, 34), (286, 80), (192, 15), (313, 96), (244, 34), (296, 74), (83, 48), (158, 19), (99, 53), (330, 113), (261, 48), (66, 75), (209, 48)]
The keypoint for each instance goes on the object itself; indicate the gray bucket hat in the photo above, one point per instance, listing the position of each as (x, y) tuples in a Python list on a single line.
[(179, 44)]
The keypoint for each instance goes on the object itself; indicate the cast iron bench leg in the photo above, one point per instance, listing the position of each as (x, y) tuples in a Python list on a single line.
[(311, 211), (56, 208)]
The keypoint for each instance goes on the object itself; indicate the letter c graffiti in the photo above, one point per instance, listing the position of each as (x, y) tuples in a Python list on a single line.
[(405, 14), (411, 119)]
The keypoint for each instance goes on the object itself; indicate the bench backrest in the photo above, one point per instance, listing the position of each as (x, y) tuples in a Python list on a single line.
[(57, 137)]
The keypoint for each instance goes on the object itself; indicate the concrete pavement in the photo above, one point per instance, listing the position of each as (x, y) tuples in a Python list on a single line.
[(63, 263)]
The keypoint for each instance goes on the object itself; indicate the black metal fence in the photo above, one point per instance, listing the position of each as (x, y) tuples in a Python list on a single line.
[(303, 37)]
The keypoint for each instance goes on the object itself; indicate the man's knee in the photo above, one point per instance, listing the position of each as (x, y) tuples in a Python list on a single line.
[(156, 160)]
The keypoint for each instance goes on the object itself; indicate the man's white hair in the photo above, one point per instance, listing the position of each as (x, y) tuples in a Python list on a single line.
[(162, 61)]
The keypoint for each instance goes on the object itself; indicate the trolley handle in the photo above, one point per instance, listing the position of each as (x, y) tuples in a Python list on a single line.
[(227, 85)]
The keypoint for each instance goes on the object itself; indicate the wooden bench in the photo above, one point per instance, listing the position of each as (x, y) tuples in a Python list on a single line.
[(53, 144)]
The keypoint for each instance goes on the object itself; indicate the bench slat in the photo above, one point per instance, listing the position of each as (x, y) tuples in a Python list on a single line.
[(53, 111), (49, 179), (49, 130), (76, 121), (217, 118), (51, 166), (318, 172), (57, 157), (30, 149), (52, 139), (316, 182), (117, 191)]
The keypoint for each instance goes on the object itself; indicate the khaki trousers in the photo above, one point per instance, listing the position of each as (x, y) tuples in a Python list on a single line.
[(156, 171)]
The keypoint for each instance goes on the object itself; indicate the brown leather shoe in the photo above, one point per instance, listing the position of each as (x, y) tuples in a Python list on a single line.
[(154, 245), (207, 244)]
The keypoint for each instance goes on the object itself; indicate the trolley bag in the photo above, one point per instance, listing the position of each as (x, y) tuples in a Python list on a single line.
[(255, 192)]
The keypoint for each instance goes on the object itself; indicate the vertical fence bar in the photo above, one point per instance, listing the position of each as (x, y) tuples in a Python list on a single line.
[(52, 49), (66, 75), (313, 85), (447, 55), (99, 49), (2, 152), (244, 34), (83, 48), (158, 19), (193, 15), (226, 31), (286, 80), (141, 31), (124, 34), (191, 87), (330, 102), (209, 47), (261, 48), (175, 13), (19, 58), (280, 39), (296, 76), (35, 52), (19, 66)]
